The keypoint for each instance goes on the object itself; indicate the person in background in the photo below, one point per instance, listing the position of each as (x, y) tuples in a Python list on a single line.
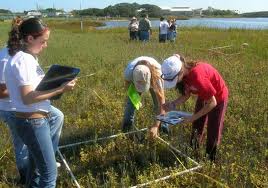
[(169, 31), (144, 74), (173, 30), (145, 28), (7, 114), (133, 28), (163, 30), (203, 80), (34, 120)]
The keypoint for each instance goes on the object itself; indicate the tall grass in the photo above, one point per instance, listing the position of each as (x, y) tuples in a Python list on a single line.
[(95, 108)]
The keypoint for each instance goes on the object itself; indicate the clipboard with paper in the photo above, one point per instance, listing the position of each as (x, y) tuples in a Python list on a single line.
[(173, 117), (56, 76)]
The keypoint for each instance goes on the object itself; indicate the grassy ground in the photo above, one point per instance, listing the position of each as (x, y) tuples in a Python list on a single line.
[(95, 108)]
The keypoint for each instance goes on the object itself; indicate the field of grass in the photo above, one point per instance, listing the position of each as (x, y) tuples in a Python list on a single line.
[(95, 108)]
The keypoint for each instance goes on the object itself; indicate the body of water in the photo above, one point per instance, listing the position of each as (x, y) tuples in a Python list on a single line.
[(223, 23)]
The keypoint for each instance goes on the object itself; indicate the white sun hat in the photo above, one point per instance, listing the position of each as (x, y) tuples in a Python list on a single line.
[(170, 70)]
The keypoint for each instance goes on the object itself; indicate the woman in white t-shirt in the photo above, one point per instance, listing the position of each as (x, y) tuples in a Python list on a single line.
[(144, 73), (32, 121), (163, 30)]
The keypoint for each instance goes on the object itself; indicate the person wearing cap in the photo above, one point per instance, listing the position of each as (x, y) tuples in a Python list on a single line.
[(144, 73), (133, 27), (201, 79)]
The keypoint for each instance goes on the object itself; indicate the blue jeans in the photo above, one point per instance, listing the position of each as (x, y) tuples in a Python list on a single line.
[(129, 114), (21, 151), (162, 37), (41, 137), (144, 35), (173, 36), (56, 119), (133, 35)]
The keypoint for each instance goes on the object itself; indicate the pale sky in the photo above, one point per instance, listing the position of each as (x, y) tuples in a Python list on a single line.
[(240, 5)]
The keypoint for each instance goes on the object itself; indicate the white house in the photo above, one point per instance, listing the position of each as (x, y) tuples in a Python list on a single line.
[(34, 14)]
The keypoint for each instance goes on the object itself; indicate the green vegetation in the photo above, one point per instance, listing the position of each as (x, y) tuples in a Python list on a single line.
[(255, 14), (212, 12), (95, 109), (4, 11), (122, 10)]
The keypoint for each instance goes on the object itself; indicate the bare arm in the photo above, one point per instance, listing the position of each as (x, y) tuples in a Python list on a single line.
[(153, 130), (30, 96), (3, 91), (209, 105), (161, 100), (172, 105)]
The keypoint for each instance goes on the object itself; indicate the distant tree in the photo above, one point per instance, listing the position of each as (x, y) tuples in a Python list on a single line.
[(151, 10), (216, 12), (4, 11), (121, 9), (255, 14)]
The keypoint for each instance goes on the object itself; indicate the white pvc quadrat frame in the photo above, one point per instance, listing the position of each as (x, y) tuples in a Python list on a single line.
[(197, 165)]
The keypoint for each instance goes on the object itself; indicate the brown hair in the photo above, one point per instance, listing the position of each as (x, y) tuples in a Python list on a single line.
[(189, 63), (16, 22), (21, 30), (155, 76)]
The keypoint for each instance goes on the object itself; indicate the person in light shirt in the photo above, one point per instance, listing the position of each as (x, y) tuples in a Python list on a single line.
[(133, 28), (163, 30), (33, 111), (144, 73)]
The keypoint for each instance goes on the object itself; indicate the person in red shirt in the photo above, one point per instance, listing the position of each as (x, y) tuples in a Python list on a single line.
[(201, 79)]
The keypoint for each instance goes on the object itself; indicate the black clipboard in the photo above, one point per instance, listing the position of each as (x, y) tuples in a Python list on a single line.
[(55, 77)]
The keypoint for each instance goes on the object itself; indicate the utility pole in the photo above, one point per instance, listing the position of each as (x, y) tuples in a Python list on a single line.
[(81, 18)]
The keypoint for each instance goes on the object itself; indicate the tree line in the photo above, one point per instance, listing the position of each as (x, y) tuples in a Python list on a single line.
[(135, 9)]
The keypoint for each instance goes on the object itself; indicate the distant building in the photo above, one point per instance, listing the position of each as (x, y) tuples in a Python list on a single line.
[(198, 12), (179, 11), (32, 14), (59, 14), (141, 9)]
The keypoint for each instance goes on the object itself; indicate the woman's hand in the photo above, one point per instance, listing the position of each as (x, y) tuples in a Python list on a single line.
[(188, 120), (153, 131), (68, 86), (169, 106)]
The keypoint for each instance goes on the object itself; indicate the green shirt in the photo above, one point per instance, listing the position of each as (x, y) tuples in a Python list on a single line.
[(144, 24)]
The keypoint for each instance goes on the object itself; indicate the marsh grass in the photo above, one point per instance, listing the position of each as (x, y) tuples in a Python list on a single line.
[(130, 160), (95, 108)]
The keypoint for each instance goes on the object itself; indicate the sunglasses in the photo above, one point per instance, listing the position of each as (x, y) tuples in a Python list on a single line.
[(169, 79)]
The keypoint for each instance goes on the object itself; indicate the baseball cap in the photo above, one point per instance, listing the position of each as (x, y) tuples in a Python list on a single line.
[(170, 69), (142, 78)]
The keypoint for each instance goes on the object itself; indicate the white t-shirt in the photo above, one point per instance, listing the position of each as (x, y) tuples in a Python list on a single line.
[(163, 26), (23, 69), (134, 26), (5, 103), (129, 70)]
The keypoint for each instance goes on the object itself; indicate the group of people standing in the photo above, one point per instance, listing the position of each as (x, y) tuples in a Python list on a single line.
[(36, 125), (167, 30), (142, 29)]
